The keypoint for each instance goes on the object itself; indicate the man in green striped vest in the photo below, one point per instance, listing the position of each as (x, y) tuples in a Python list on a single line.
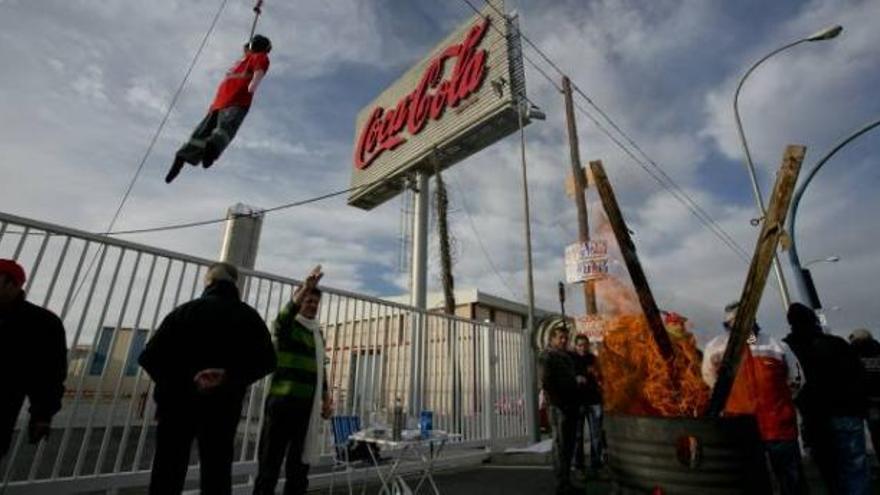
[(298, 397)]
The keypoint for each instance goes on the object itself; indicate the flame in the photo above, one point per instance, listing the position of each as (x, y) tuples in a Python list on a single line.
[(636, 378)]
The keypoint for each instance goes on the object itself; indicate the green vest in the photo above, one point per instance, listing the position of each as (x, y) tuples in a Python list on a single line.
[(297, 371)]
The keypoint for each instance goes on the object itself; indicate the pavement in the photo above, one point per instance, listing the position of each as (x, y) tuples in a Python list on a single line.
[(492, 479)]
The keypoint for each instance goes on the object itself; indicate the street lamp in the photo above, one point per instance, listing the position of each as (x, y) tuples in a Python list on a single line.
[(825, 34), (531, 112), (830, 259), (802, 274)]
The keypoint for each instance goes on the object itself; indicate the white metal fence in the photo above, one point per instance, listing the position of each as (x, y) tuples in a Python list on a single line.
[(111, 295)]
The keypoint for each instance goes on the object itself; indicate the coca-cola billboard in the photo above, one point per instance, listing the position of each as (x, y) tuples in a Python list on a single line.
[(457, 100)]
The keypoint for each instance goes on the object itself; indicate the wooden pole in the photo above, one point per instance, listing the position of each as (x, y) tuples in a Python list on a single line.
[(631, 259), (580, 188), (759, 269)]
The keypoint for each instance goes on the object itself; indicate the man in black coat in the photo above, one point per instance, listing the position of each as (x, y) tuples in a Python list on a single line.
[(559, 382), (203, 357), (33, 358), (868, 350), (832, 403), (589, 405)]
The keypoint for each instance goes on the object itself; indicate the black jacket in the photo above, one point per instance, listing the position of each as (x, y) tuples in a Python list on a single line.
[(217, 330), (835, 382), (589, 393), (868, 352), (33, 360), (557, 378)]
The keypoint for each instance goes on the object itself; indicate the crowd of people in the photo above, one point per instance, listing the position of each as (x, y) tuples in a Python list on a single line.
[(809, 392), (202, 358)]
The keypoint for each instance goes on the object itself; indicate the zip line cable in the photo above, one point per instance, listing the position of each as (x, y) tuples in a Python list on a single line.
[(258, 9), (200, 223), (154, 139), (664, 180)]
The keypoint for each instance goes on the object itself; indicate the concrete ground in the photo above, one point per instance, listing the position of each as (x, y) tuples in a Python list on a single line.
[(492, 479)]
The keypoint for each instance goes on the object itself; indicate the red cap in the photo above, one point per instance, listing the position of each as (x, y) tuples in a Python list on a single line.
[(12, 270)]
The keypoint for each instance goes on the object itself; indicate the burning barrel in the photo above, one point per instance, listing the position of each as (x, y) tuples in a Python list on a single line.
[(686, 455)]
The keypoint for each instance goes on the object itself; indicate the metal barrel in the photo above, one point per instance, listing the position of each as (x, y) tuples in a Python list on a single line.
[(686, 455)]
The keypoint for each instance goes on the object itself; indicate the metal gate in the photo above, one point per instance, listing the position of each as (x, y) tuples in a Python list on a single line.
[(112, 294)]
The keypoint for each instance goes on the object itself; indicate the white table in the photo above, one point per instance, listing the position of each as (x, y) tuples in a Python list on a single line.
[(411, 446)]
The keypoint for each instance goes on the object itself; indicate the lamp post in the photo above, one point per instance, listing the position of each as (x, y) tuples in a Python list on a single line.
[(531, 112), (825, 34), (802, 274), (830, 259)]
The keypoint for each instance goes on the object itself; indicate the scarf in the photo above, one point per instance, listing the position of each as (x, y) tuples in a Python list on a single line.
[(312, 448)]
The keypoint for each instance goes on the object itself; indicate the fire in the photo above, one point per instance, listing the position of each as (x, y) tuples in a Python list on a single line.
[(637, 380)]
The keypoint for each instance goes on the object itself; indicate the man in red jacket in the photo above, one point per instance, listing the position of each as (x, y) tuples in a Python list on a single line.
[(227, 112), (768, 379)]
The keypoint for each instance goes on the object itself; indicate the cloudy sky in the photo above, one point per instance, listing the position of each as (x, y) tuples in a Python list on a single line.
[(86, 83)]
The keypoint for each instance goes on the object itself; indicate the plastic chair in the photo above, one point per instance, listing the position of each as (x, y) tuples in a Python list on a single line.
[(343, 428)]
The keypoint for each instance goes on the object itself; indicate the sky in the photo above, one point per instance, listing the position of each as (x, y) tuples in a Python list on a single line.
[(86, 83)]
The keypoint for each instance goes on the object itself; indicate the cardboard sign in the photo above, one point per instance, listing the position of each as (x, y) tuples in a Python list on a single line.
[(593, 326), (586, 261)]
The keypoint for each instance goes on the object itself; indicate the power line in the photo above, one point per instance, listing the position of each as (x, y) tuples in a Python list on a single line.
[(480, 240), (164, 120), (664, 180), (280, 207), (154, 139)]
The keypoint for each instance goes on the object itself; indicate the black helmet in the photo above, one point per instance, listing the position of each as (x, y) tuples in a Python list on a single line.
[(260, 43)]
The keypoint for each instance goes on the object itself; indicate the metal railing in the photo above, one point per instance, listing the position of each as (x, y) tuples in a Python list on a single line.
[(111, 295)]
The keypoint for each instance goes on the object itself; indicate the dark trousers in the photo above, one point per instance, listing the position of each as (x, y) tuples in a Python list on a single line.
[(592, 415), (837, 445), (285, 425), (213, 426), (564, 422), (785, 462), (9, 409), (874, 427), (212, 135)]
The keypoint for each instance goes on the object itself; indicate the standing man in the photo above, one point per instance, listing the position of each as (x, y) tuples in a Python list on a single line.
[(33, 358), (559, 382), (769, 378), (868, 351), (832, 404), (203, 357), (590, 407), (227, 112), (298, 397)]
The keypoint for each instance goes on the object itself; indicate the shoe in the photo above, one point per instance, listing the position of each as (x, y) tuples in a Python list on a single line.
[(176, 167), (209, 156)]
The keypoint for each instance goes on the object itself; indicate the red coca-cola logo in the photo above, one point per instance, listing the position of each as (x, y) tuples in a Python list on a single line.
[(429, 100)]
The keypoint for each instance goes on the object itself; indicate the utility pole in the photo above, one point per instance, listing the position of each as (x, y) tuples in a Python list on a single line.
[(580, 188)]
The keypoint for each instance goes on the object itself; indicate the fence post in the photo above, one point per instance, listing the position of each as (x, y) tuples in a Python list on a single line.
[(489, 365)]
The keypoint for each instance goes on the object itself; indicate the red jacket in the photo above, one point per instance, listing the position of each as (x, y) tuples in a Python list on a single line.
[(768, 379), (233, 91)]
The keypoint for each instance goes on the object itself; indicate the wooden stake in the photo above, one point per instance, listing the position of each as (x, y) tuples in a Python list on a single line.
[(628, 251), (771, 231)]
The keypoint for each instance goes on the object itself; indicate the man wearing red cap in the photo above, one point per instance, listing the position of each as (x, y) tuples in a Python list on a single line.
[(33, 358)]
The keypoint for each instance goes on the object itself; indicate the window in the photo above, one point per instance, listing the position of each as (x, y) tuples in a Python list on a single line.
[(138, 341), (99, 358), (103, 352)]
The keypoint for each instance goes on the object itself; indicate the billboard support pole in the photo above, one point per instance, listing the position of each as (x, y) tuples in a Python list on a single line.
[(421, 207), (418, 296), (580, 188)]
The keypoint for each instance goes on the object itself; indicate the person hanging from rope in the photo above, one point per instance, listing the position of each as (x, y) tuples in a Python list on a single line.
[(227, 112)]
